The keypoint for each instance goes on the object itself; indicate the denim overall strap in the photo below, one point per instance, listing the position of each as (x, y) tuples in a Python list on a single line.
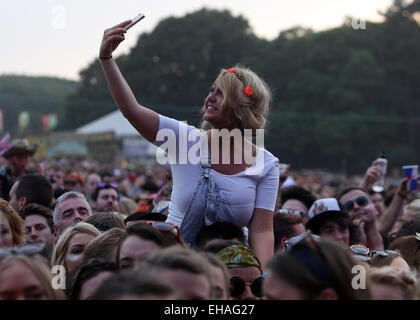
[(218, 207), (194, 217), (207, 206)]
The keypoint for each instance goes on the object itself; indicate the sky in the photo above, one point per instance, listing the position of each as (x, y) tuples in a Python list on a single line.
[(60, 37)]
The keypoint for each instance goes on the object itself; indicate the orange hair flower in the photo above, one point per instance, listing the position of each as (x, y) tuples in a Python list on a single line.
[(231, 70), (143, 206), (248, 91)]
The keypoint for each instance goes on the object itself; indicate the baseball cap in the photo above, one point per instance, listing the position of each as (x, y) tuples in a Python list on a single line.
[(321, 210)]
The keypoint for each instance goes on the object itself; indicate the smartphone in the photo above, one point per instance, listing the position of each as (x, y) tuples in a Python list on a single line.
[(134, 21)]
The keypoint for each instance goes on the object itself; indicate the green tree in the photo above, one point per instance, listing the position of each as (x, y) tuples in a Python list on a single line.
[(174, 64), (339, 96), (36, 95)]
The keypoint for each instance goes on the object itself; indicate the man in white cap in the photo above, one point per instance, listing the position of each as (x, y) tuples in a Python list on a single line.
[(328, 219)]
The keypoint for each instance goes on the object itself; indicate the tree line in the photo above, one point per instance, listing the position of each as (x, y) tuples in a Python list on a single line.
[(340, 96)]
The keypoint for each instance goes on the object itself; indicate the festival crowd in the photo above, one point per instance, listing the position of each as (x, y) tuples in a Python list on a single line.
[(223, 220), (104, 225)]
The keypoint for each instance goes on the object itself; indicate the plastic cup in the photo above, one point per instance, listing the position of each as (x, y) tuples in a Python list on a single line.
[(411, 172)]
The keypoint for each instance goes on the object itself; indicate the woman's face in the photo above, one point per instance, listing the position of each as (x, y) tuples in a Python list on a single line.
[(134, 250), (18, 282), (77, 245), (212, 109), (6, 237)]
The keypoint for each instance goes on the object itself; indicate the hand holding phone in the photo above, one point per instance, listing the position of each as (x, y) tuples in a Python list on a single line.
[(136, 19)]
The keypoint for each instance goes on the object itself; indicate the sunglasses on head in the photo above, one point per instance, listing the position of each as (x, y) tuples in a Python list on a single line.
[(26, 249), (294, 212), (108, 185), (306, 249), (166, 226), (383, 253), (289, 243), (237, 286), (361, 201), (360, 249)]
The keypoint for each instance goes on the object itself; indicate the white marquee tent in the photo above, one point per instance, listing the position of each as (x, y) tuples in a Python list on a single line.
[(113, 121), (134, 145)]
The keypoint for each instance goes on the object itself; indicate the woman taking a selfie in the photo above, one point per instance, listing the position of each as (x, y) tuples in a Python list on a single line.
[(234, 181)]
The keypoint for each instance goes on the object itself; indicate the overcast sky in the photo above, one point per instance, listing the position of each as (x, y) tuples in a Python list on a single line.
[(59, 38)]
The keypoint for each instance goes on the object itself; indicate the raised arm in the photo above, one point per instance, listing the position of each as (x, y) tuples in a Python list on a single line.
[(144, 120), (388, 219), (373, 236), (373, 174)]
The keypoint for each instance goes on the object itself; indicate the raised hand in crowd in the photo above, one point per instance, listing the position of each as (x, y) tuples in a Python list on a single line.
[(144, 120), (395, 209), (373, 174), (112, 38)]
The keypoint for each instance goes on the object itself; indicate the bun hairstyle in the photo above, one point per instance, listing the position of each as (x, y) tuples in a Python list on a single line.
[(246, 94)]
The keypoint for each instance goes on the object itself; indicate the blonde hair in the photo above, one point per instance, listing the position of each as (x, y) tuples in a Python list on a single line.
[(102, 247), (127, 206), (15, 222), (39, 267), (397, 279), (251, 111), (408, 247), (63, 241)]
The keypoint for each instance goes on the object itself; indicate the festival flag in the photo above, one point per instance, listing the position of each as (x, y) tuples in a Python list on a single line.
[(53, 121), (45, 121), (49, 121), (23, 120)]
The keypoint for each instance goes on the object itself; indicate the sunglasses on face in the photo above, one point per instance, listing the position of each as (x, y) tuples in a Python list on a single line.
[(26, 249), (237, 286), (361, 201), (294, 212)]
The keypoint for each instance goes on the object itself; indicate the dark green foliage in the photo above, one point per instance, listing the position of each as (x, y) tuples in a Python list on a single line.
[(340, 96), (37, 95)]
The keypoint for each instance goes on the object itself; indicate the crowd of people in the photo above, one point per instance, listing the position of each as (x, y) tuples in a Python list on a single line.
[(221, 221), (110, 234)]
